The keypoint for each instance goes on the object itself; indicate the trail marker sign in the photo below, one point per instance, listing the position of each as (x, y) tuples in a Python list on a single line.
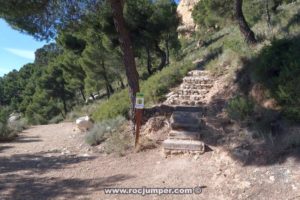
[(139, 101), (139, 106)]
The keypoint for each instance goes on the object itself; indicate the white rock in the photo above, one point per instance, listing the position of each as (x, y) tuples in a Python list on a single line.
[(14, 117), (84, 123), (244, 184), (196, 157), (272, 179)]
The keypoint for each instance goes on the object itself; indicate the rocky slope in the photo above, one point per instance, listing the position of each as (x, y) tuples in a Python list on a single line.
[(184, 10)]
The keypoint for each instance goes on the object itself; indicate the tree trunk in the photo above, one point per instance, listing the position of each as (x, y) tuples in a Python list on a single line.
[(128, 56), (82, 94), (93, 97), (107, 91), (63, 99), (268, 13), (163, 57), (62, 114), (65, 107), (121, 83), (149, 62), (167, 52), (243, 25), (109, 88)]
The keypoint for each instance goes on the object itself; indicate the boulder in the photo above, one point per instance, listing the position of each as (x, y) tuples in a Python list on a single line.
[(84, 123), (14, 117)]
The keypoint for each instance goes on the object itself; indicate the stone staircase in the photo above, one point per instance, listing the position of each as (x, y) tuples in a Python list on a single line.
[(193, 90), (186, 125), (184, 136)]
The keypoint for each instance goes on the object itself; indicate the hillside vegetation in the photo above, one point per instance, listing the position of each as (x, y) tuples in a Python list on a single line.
[(81, 71)]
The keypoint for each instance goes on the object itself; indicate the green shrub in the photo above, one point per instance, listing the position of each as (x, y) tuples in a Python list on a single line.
[(209, 13), (4, 130), (4, 115), (216, 13), (277, 67), (118, 143), (9, 130), (118, 104), (240, 108), (55, 120), (17, 126), (101, 131)]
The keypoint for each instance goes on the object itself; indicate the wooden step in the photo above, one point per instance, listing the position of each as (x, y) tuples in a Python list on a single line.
[(189, 121), (184, 135), (184, 145)]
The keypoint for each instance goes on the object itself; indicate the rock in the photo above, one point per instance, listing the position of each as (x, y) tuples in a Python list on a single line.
[(241, 154), (14, 117), (271, 104), (84, 123), (272, 179), (170, 94), (196, 157), (184, 10), (244, 185)]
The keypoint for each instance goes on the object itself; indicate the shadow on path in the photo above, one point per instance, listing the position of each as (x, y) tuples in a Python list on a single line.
[(38, 163), (3, 148), (22, 187)]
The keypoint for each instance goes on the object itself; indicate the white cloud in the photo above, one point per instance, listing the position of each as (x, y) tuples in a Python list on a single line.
[(21, 53)]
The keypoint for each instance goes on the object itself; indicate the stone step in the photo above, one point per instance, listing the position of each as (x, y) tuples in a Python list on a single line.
[(188, 97), (188, 121), (189, 109), (184, 145), (198, 80), (192, 91), (191, 97), (198, 73), (184, 102), (195, 86), (184, 135)]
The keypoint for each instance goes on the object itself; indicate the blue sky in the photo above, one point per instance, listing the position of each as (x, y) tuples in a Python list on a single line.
[(16, 49)]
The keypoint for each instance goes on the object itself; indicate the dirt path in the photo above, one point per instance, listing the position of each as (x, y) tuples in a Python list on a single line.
[(52, 162)]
